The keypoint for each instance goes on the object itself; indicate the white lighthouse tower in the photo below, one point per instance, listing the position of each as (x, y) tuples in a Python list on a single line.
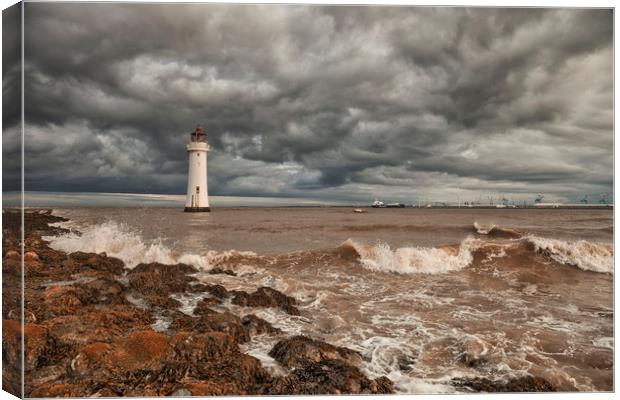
[(197, 194)]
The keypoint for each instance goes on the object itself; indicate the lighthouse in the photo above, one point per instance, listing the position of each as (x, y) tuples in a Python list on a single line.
[(197, 194)]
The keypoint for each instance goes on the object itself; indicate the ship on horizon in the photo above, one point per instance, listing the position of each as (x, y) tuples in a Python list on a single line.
[(380, 204)]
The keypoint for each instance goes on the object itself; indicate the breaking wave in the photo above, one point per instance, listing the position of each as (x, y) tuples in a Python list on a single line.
[(381, 257), (582, 254), (496, 231), (410, 260), (118, 240)]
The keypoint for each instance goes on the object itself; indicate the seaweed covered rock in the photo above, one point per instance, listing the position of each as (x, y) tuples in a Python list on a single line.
[(523, 384), (95, 324), (212, 322), (301, 351), (329, 377), (254, 326), (37, 343), (96, 262), (157, 279), (266, 297)]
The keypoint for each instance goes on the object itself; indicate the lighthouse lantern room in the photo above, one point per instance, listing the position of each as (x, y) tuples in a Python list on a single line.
[(197, 193)]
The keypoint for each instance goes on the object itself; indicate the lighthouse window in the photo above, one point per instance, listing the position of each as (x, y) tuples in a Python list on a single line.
[(197, 154)]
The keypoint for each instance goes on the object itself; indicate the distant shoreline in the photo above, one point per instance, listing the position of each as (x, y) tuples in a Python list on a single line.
[(114, 200)]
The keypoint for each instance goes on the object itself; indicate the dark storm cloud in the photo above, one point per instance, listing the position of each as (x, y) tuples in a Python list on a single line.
[(343, 102)]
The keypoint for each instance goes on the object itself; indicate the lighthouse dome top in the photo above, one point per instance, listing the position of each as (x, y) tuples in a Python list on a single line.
[(198, 135)]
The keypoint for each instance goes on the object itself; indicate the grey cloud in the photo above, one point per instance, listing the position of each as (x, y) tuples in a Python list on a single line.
[(315, 101)]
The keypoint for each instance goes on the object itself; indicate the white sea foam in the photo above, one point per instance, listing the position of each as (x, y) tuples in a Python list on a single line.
[(412, 260), (483, 229), (585, 255), (118, 240)]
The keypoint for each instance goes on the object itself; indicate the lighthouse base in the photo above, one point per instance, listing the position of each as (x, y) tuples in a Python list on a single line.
[(197, 209)]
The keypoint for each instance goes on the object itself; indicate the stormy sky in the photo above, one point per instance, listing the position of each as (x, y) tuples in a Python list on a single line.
[(336, 103)]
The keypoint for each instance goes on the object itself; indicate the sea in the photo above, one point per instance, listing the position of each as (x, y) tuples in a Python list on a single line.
[(425, 295)]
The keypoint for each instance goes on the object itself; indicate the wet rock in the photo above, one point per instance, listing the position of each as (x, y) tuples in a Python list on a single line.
[(217, 291), (254, 326), (473, 352), (219, 270), (202, 307), (145, 350), (90, 359), (165, 302), (266, 297), (95, 324), (181, 393), (301, 351), (215, 366), (201, 347), (97, 262), (59, 390), (523, 384), (329, 377), (37, 343), (160, 279), (12, 266), (30, 256), (406, 361), (43, 376), (212, 322), (106, 290), (56, 301), (11, 255)]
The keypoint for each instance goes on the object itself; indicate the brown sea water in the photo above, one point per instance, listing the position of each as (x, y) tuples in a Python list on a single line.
[(426, 295)]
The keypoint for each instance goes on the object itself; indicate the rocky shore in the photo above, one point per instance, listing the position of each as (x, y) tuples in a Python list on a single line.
[(90, 330)]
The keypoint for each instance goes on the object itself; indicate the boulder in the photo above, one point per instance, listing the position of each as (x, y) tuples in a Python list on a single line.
[(217, 291), (301, 351), (144, 350), (254, 326), (266, 297), (329, 377), (212, 322), (161, 280), (202, 347), (219, 270), (37, 344), (523, 384), (98, 324), (97, 262)]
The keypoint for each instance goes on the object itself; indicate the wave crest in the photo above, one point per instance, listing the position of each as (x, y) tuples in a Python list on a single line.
[(118, 240), (496, 231), (412, 260), (582, 254)]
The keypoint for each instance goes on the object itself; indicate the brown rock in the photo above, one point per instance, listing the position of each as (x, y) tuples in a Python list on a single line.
[(218, 291), (329, 377), (219, 270), (37, 343), (31, 256), (254, 326), (94, 324), (200, 347), (523, 384), (266, 297), (160, 279), (11, 255), (216, 322), (301, 351), (97, 262), (145, 350), (91, 358), (202, 308), (12, 266)]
